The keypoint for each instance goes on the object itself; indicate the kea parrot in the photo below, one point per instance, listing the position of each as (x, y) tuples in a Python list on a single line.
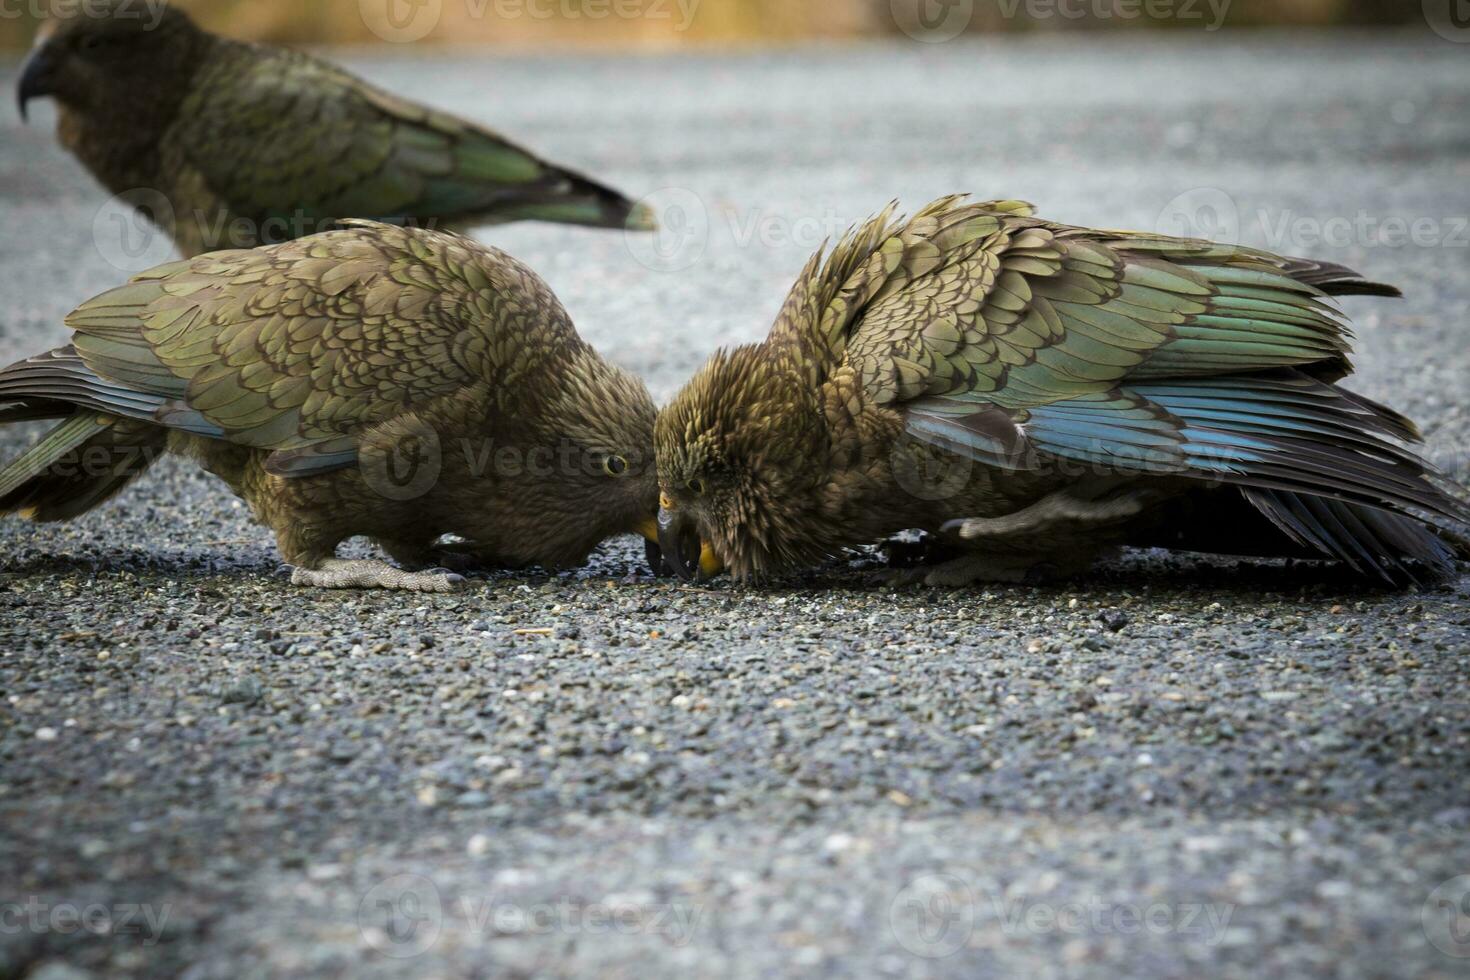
[(1033, 395), (225, 144), (395, 383)]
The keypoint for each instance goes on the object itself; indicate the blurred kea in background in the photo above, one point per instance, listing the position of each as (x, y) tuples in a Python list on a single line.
[(250, 144), (1035, 394), (396, 383)]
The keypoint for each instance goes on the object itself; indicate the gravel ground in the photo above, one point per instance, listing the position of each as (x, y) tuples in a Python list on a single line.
[(1178, 766)]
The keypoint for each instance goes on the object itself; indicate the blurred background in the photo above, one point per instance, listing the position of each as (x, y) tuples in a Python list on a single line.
[(671, 23)]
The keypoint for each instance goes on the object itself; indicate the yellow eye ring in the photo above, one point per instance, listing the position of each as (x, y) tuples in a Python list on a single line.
[(615, 466)]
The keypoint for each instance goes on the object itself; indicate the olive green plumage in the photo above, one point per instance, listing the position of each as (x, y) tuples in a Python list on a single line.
[(250, 144), (396, 383), (1034, 393)]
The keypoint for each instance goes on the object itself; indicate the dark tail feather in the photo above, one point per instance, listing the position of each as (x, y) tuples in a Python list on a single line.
[(1261, 523), (106, 439), (77, 466), (33, 412), (1337, 280), (578, 200), (1372, 541)]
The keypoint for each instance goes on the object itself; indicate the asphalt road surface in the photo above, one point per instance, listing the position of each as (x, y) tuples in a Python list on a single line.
[(1178, 766)]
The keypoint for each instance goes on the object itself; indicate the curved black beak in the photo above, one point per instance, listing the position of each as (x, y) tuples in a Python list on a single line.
[(37, 77), (678, 539), (655, 558)]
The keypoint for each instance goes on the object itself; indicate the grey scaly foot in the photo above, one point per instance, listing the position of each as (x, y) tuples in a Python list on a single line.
[(336, 573), (1049, 512)]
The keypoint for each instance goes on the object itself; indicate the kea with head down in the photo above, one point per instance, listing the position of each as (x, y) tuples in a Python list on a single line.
[(393, 383), (1035, 394)]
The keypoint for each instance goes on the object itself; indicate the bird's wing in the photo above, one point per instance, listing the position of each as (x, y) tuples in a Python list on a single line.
[(276, 134), (1017, 341), (299, 348), (839, 298), (987, 302)]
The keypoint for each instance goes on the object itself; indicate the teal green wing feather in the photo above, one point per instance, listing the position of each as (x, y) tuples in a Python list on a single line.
[(977, 302)]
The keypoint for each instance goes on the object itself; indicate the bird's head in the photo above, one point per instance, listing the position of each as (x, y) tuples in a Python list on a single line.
[(97, 56), (589, 473), (740, 464)]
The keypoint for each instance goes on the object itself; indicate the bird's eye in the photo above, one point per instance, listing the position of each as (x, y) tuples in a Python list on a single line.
[(696, 485), (91, 42), (615, 466)]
